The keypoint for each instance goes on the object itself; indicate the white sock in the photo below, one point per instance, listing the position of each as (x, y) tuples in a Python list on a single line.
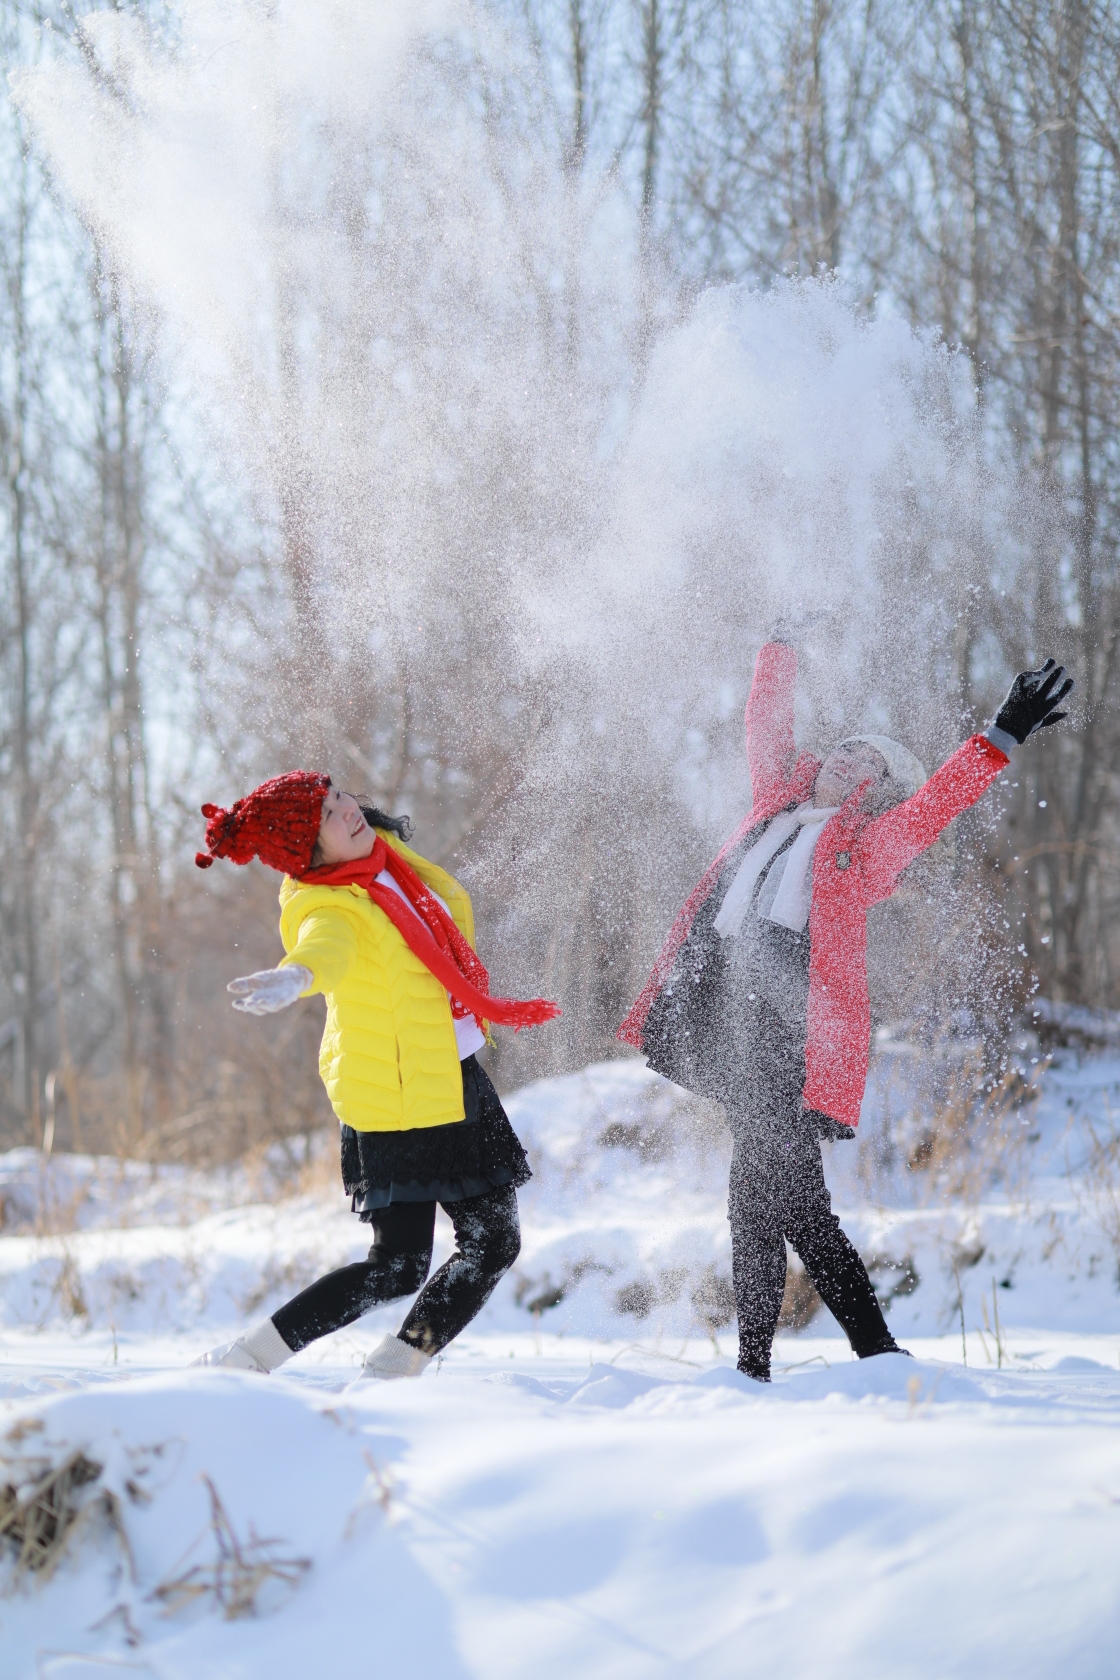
[(267, 1345), (394, 1358)]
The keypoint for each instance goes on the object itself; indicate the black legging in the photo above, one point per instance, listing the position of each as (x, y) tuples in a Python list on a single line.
[(777, 1192), (488, 1241)]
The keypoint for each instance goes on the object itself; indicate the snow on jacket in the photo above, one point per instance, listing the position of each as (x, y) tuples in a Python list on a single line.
[(389, 1056), (857, 863)]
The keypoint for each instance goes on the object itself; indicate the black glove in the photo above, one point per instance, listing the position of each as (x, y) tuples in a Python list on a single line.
[(1031, 701), (826, 1127)]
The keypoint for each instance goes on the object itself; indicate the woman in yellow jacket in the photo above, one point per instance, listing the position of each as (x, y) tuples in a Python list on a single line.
[(388, 938)]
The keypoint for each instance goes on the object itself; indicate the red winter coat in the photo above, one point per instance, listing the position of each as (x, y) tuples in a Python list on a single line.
[(857, 863)]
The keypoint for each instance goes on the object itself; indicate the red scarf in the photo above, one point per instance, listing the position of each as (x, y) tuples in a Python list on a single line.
[(431, 935)]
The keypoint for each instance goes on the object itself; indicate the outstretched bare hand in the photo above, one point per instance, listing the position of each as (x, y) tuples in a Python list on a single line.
[(1032, 701)]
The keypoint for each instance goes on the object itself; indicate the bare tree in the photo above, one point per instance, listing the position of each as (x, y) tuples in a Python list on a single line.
[(1009, 202), (121, 542)]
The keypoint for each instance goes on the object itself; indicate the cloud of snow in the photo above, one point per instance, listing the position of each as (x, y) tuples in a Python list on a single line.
[(488, 441)]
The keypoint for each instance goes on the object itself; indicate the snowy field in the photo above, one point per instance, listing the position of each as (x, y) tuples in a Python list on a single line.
[(584, 1485)]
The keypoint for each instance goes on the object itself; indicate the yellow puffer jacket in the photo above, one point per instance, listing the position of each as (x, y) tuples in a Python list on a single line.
[(388, 1057)]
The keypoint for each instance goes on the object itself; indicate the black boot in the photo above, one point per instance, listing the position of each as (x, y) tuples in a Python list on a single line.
[(754, 1362)]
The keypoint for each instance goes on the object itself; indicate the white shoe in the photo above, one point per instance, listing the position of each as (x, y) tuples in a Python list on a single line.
[(391, 1359), (233, 1356), (262, 1349)]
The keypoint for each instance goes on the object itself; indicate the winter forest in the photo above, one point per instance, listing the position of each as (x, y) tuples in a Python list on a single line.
[(468, 399), (366, 401)]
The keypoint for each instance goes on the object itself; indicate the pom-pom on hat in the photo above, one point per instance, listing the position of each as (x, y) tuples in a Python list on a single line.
[(278, 822)]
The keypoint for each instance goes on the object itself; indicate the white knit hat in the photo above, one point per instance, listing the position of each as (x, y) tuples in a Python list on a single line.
[(903, 768)]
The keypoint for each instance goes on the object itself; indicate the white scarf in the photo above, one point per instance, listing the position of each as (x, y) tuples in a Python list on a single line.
[(787, 893)]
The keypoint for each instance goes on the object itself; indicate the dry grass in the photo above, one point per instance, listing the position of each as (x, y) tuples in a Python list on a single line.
[(42, 1505), (304, 1164), (662, 1119), (251, 1087), (1101, 1180), (235, 1579), (639, 1297), (800, 1301), (538, 1295), (67, 1291), (289, 1276), (713, 1299), (45, 1504), (977, 1137), (892, 1276), (965, 1132), (36, 1204)]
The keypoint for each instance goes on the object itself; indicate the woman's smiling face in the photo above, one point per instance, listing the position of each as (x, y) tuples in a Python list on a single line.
[(843, 771), (344, 834)]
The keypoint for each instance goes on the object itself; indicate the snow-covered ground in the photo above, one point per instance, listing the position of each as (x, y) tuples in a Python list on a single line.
[(584, 1484)]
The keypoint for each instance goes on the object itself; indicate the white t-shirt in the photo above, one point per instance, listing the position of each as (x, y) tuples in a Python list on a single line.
[(469, 1036)]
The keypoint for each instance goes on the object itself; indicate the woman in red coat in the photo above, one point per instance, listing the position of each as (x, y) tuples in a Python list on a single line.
[(759, 997)]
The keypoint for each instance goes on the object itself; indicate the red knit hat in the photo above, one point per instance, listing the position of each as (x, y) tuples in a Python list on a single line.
[(278, 822)]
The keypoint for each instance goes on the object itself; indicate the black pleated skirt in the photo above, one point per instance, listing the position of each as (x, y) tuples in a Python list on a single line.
[(436, 1163)]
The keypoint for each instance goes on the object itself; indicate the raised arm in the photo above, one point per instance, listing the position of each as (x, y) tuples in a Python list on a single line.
[(325, 945), (771, 749), (895, 839)]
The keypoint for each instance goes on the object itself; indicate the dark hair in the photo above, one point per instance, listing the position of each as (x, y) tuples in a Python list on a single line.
[(400, 826)]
